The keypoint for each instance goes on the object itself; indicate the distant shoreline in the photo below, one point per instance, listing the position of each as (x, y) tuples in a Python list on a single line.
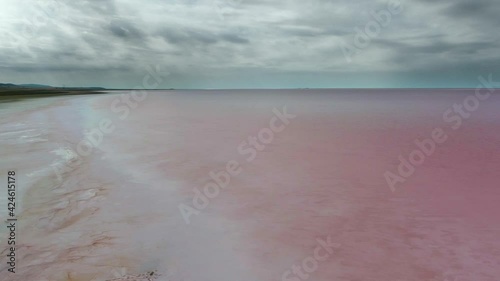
[(8, 94), (18, 94)]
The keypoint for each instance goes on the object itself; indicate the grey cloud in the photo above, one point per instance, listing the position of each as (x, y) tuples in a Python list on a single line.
[(126, 30), (482, 12), (436, 47), (463, 8), (99, 7), (205, 40), (184, 36), (234, 38)]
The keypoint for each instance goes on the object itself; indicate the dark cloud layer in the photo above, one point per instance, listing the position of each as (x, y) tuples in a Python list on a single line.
[(243, 43)]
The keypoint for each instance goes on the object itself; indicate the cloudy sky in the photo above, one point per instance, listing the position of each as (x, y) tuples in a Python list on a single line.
[(250, 43)]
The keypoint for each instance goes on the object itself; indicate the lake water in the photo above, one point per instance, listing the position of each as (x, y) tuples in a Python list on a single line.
[(248, 185)]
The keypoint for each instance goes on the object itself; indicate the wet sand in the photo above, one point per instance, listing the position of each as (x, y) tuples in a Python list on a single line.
[(114, 214)]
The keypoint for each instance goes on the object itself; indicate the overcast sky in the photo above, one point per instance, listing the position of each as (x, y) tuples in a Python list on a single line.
[(249, 43)]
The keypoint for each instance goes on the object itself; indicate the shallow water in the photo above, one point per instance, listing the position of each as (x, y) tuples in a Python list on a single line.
[(113, 212)]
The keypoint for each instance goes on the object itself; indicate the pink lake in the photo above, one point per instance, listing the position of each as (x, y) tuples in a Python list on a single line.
[(115, 212)]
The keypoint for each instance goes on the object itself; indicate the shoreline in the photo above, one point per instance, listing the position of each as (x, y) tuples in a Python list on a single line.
[(14, 95)]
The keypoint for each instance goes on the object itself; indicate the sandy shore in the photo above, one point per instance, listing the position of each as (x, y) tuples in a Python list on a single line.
[(114, 214)]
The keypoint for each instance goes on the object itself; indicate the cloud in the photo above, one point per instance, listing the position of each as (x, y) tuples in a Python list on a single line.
[(125, 30), (213, 43)]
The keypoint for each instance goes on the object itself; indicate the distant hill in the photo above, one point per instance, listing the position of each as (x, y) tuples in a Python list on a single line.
[(39, 86), (80, 88), (9, 86), (35, 86)]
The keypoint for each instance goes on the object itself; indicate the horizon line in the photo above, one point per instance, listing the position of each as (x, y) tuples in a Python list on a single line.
[(306, 88)]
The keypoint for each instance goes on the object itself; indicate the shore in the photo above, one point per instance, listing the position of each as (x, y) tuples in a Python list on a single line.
[(19, 94)]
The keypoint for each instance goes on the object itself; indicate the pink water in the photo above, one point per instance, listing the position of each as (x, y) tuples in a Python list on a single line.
[(116, 213)]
